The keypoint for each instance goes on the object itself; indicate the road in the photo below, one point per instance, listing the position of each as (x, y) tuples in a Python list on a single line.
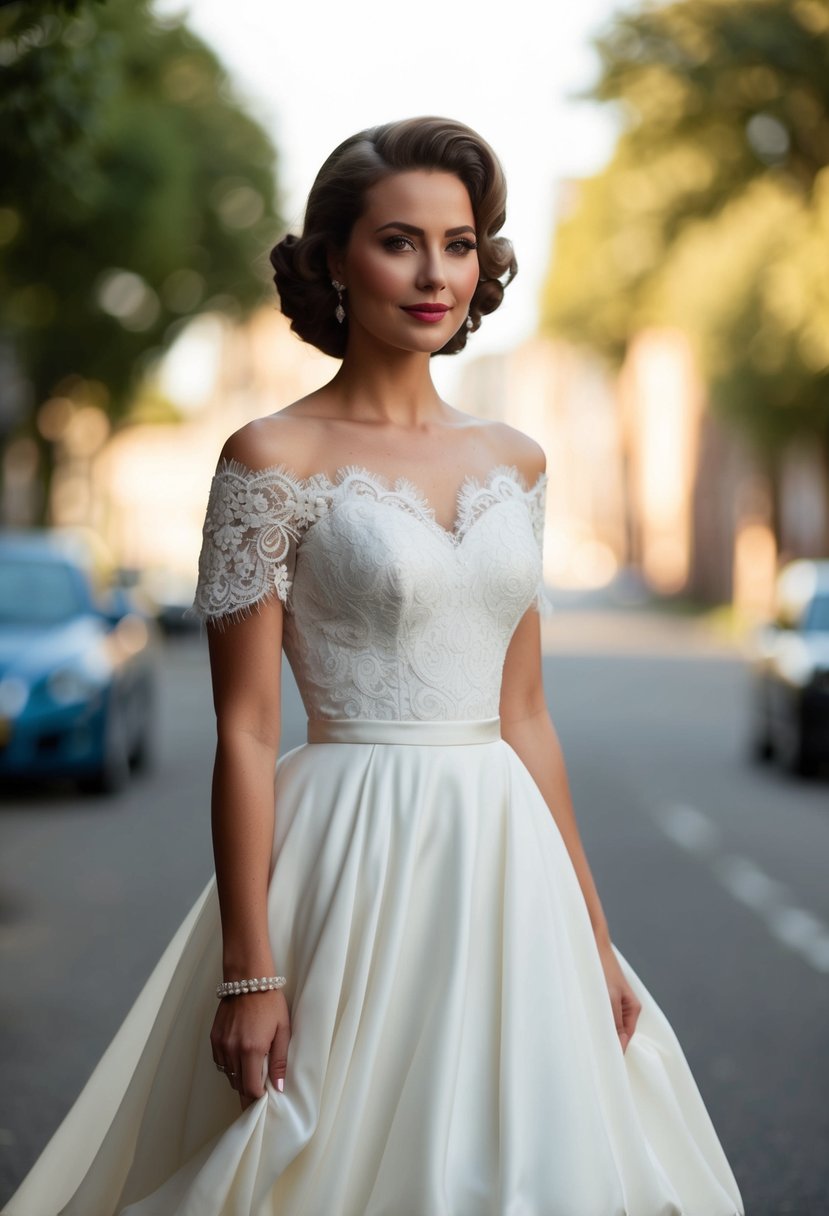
[(712, 874)]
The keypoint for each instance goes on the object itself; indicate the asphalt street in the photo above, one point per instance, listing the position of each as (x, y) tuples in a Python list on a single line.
[(712, 871)]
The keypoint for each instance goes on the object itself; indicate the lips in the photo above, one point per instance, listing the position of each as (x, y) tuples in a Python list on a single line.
[(427, 312)]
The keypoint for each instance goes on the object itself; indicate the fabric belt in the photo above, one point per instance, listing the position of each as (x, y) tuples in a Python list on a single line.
[(376, 730)]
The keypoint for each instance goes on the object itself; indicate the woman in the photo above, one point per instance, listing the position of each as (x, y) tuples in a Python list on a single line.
[(453, 1032)]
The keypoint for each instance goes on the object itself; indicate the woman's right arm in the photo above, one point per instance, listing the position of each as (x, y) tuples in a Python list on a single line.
[(245, 670), (245, 662)]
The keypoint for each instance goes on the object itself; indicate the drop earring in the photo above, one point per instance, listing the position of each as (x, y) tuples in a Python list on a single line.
[(339, 311), (469, 322)]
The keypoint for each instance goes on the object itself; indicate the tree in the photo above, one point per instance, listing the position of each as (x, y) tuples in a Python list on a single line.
[(713, 212), (136, 193)]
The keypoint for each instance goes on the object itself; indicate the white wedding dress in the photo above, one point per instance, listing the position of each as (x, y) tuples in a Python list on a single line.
[(453, 1049)]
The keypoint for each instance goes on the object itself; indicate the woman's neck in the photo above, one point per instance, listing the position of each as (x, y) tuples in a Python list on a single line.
[(388, 386)]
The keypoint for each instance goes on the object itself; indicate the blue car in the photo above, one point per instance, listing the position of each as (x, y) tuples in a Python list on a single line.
[(77, 666)]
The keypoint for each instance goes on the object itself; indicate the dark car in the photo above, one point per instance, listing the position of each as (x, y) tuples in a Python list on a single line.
[(77, 665), (169, 594), (790, 672)]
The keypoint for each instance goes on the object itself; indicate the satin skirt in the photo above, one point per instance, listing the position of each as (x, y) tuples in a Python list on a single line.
[(453, 1050)]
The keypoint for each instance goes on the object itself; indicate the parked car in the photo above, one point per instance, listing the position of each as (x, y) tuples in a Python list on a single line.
[(790, 672), (77, 664), (168, 594)]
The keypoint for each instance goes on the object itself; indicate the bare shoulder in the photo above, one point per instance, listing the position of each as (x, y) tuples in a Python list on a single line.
[(511, 446), (280, 439)]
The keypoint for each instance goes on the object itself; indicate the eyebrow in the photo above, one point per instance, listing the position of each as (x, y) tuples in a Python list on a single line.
[(419, 231)]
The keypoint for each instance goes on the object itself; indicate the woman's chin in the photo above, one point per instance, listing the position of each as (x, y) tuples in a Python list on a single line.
[(412, 337)]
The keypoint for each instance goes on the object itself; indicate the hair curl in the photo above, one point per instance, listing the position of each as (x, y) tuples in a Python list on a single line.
[(337, 200)]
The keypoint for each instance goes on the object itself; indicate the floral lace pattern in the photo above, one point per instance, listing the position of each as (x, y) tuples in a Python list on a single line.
[(251, 527), (388, 614)]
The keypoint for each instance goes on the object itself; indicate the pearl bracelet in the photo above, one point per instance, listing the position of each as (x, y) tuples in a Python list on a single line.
[(238, 987)]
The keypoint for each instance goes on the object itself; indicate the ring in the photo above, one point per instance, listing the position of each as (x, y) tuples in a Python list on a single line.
[(230, 1074)]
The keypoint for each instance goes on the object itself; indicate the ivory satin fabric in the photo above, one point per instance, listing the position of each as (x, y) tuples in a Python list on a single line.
[(453, 1050)]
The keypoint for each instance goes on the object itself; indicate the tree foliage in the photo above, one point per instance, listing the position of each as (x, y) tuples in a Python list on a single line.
[(713, 212), (136, 193)]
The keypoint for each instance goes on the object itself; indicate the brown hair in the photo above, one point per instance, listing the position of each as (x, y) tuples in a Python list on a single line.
[(337, 200)]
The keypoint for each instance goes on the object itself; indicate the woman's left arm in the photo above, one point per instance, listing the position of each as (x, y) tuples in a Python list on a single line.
[(528, 728)]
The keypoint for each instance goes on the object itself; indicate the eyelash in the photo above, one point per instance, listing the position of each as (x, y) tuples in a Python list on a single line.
[(466, 244)]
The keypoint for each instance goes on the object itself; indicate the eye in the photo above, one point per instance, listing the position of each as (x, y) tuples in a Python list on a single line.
[(398, 243), (463, 246)]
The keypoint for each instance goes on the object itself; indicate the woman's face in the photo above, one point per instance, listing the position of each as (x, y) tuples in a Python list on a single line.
[(410, 266)]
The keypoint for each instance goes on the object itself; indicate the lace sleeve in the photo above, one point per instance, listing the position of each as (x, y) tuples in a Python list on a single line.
[(252, 524), (537, 502)]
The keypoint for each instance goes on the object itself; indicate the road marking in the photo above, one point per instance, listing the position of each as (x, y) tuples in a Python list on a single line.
[(803, 933), (798, 930), (749, 885), (689, 828)]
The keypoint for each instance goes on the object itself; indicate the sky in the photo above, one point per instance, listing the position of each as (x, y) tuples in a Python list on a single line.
[(314, 73)]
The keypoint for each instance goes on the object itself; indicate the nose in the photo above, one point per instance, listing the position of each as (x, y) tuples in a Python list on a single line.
[(431, 272)]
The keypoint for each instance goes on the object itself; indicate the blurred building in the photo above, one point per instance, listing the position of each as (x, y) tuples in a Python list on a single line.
[(642, 474), (149, 482)]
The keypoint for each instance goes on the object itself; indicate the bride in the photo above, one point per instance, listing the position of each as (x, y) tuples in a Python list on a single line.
[(421, 1011)]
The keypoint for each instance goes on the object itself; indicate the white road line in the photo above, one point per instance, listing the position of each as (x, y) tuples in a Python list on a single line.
[(688, 827), (749, 885), (799, 931)]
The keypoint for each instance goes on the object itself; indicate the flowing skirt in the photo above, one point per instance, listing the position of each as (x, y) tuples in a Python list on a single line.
[(453, 1050)]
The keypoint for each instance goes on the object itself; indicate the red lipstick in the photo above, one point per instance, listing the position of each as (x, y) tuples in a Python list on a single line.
[(430, 313)]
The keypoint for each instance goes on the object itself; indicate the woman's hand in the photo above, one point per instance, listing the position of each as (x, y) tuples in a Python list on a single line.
[(626, 1007), (246, 1029)]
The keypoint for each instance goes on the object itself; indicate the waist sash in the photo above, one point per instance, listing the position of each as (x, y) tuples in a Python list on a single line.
[(375, 730)]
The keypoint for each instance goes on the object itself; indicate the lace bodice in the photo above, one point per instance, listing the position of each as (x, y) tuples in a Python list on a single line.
[(388, 614)]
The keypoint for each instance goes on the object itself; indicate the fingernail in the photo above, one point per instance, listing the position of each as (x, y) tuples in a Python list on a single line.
[(280, 1084)]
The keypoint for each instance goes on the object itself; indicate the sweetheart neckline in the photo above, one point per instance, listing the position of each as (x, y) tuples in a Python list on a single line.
[(401, 488)]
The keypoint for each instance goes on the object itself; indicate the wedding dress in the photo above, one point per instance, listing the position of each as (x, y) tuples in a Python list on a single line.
[(453, 1049)]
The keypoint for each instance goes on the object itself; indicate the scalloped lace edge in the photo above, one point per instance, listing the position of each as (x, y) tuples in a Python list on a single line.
[(401, 487)]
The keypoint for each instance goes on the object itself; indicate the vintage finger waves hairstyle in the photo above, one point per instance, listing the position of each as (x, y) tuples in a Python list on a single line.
[(336, 202)]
